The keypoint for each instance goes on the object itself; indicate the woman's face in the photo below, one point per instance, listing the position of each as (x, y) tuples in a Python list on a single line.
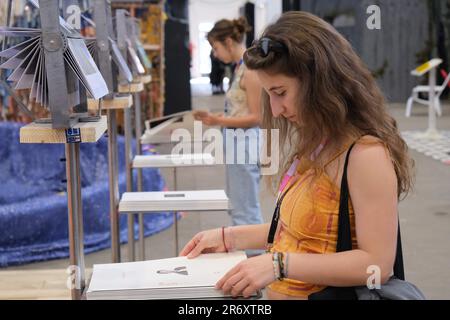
[(284, 95), (221, 51)]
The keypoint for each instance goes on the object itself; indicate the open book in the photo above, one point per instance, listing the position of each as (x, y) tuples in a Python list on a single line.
[(173, 278)]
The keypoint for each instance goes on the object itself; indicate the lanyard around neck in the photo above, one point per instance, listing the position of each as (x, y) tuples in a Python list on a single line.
[(276, 215)]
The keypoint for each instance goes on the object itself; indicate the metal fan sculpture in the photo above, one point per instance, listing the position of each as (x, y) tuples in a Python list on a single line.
[(28, 63), (105, 32)]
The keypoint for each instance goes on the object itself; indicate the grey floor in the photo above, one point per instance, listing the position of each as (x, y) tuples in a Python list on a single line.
[(425, 214)]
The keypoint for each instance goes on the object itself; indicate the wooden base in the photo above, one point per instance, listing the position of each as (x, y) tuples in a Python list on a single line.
[(36, 284), (135, 87), (44, 133), (146, 79), (116, 103)]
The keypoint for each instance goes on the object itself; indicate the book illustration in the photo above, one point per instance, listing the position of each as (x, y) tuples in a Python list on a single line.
[(177, 270)]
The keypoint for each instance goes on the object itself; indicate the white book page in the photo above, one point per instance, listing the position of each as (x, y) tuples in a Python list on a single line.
[(90, 73), (136, 61), (12, 51), (120, 62), (16, 60), (20, 69)]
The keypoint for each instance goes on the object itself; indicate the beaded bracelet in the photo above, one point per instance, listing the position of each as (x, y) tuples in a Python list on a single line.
[(276, 265), (281, 265)]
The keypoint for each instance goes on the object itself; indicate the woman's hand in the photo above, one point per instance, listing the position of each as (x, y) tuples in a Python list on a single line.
[(208, 118), (248, 276), (209, 241)]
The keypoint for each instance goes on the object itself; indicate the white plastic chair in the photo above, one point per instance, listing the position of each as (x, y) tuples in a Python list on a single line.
[(426, 89)]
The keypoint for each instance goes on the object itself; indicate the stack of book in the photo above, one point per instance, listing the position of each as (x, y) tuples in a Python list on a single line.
[(215, 200), (173, 278), (173, 160)]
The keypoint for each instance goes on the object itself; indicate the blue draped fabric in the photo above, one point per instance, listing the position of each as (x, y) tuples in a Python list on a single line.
[(33, 199)]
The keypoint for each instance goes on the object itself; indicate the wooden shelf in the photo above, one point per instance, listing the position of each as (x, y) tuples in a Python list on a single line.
[(152, 47), (118, 102), (134, 87), (146, 79), (44, 133)]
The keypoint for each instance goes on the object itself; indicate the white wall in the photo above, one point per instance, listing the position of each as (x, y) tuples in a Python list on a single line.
[(266, 12), (210, 11)]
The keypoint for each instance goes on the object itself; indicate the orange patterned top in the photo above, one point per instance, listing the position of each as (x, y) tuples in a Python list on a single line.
[(309, 222)]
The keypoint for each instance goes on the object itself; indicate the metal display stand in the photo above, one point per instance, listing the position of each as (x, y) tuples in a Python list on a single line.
[(135, 88), (139, 165), (112, 103), (71, 138), (65, 128), (145, 79)]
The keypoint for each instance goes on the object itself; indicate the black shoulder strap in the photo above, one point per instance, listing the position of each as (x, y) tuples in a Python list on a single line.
[(344, 242)]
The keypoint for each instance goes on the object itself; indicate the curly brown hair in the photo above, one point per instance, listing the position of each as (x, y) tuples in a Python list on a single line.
[(343, 99)]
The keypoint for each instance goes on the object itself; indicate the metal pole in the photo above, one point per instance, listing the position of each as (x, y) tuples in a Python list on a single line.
[(76, 243), (113, 186), (102, 11), (129, 172), (432, 128), (138, 130), (175, 222)]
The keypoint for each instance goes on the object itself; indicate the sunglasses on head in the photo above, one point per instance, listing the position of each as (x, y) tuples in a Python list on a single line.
[(267, 45)]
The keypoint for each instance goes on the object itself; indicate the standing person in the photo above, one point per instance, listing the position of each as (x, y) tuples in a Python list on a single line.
[(217, 75), (329, 110), (241, 121)]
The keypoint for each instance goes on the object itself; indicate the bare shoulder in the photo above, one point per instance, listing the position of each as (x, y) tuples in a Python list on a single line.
[(370, 149), (250, 80), (370, 162), (250, 76)]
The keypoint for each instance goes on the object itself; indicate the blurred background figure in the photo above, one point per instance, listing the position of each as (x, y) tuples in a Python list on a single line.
[(217, 75)]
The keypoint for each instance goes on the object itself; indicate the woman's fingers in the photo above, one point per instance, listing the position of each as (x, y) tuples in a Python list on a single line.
[(239, 287), (224, 279), (190, 246), (197, 250), (231, 282)]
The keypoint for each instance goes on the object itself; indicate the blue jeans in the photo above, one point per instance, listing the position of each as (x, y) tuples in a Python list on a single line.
[(243, 179)]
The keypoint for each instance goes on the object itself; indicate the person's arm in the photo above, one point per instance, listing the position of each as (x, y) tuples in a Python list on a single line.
[(247, 237), (227, 239), (253, 90), (373, 190)]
